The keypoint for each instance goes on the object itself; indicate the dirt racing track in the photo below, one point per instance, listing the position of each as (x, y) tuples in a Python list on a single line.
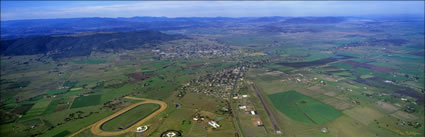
[(96, 127)]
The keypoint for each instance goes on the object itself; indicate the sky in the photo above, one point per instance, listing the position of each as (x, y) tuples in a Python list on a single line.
[(16, 10)]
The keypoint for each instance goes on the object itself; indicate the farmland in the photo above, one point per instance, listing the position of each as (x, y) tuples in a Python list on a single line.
[(37, 109), (84, 101), (303, 108), (351, 78), (90, 62)]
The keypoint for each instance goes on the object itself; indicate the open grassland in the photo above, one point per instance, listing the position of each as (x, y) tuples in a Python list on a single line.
[(37, 109), (62, 134), (130, 117), (84, 101), (52, 107), (72, 93), (318, 56), (90, 62), (248, 40), (364, 115), (56, 91), (303, 108)]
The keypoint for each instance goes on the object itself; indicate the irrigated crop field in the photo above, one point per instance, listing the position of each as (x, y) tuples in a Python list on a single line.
[(303, 108)]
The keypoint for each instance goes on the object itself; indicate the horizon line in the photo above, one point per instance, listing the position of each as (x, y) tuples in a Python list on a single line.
[(383, 15)]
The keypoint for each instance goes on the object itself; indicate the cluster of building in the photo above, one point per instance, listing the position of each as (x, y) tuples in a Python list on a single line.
[(218, 84), (193, 48), (409, 123), (248, 108), (200, 118)]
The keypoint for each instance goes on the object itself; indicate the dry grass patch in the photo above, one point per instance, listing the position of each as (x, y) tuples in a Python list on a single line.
[(330, 93), (364, 115), (274, 73), (404, 115), (387, 107), (338, 104), (347, 127)]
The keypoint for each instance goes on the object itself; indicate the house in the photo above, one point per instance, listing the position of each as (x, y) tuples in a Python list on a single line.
[(324, 130), (242, 107), (259, 123), (245, 96), (214, 124), (252, 112)]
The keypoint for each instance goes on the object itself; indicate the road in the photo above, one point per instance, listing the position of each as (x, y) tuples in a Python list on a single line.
[(235, 116), (270, 115), (96, 127)]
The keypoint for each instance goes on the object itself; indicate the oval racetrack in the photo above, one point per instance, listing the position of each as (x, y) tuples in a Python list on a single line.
[(96, 127)]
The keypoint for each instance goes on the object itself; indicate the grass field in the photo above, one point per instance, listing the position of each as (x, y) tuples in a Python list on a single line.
[(247, 40), (313, 57), (366, 71), (51, 107), (128, 118), (62, 134), (56, 91), (84, 101), (37, 109), (72, 93), (90, 62), (303, 108), (279, 67)]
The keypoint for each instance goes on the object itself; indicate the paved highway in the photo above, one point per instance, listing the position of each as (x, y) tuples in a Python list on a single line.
[(235, 116)]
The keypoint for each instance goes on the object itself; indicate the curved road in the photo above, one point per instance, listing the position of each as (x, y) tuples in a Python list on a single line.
[(96, 127)]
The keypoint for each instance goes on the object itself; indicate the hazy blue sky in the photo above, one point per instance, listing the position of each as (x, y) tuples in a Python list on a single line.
[(12, 10)]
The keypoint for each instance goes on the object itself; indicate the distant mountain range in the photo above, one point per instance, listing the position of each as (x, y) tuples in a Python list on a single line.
[(62, 46), (70, 37), (23, 28)]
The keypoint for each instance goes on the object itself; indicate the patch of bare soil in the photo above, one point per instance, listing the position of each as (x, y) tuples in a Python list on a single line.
[(387, 107)]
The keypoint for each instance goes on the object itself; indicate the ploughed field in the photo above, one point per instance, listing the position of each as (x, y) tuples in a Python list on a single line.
[(303, 108)]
